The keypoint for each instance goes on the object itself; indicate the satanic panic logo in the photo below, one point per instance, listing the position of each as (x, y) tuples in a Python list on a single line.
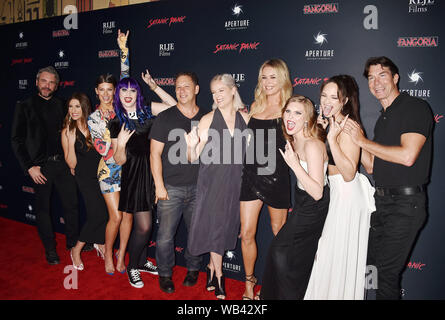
[(243, 46), (166, 21)]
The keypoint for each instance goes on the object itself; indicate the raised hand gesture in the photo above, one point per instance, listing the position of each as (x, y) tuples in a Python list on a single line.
[(323, 121), (71, 136), (124, 136), (290, 156), (122, 39), (192, 139), (149, 80), (335, 128)]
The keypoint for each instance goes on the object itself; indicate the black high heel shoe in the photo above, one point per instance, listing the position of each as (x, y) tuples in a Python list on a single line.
[(220, 289), (210, 286)]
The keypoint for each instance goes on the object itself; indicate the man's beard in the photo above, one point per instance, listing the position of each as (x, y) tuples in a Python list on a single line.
[(48, 93)]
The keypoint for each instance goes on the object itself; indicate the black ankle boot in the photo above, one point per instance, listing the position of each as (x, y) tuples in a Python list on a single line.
[(220, 287), (211, 280)]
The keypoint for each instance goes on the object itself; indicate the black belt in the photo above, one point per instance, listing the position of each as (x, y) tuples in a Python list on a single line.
[(399, 191), (56, 157)]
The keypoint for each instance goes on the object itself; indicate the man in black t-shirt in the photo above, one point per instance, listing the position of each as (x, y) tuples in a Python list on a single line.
[(399, 158), (36, 142), (175, 179)]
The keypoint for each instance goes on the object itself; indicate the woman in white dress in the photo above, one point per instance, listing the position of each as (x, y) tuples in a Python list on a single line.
[(339, 268)]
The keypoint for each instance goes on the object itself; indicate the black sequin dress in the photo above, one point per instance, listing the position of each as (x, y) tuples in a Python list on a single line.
[(269, 180)]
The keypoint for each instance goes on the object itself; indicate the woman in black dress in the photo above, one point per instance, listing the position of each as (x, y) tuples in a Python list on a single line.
[(264, 183), (215, 221), (292, 251), (83, 160), (129, 132)]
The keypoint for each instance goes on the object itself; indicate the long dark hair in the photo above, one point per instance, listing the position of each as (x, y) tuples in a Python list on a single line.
[(347, 88), (71, 124), (143, 112)]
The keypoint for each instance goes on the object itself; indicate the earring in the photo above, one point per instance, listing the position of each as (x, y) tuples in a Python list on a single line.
[(69, 119)]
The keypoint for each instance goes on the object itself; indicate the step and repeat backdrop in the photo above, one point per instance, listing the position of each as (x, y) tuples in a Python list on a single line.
[(317, 39)]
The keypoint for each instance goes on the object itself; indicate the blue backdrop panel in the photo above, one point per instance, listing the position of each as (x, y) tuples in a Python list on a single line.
[(317, 39)]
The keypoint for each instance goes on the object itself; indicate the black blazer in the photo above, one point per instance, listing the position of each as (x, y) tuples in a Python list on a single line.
[(28, 135)]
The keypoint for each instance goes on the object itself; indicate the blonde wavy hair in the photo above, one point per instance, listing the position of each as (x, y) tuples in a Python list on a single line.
[(283, 79), (228, 80)]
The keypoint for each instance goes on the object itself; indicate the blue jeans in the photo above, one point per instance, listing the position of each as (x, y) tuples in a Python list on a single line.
[(181, 203)]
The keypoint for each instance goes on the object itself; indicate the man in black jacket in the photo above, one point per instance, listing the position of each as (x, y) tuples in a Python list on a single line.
[(36, 142)]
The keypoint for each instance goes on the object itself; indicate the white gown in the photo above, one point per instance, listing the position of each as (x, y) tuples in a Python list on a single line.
[(340, 264)]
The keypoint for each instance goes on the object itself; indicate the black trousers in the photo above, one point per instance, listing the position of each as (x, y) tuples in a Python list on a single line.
[(394, 228), (292, 251), (58, 175)]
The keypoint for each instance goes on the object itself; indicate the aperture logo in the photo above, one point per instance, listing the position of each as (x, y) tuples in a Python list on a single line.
[(166, 21), (419, 6), (108, 27), (418, 42), (237, 24), (108, 54), (21, 44), (416, 77), (61, 64), (240, 47), (165, 49), (231, 266), (308, 81), (317, 54), (320, 8)]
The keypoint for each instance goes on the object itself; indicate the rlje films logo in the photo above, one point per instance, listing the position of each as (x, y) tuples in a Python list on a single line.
[(320, 54), (242, 24), (419, 6), (23, 84), (416, 77), (108, 27), (165, 49), (320, 8), (21, 44), (61, 64)]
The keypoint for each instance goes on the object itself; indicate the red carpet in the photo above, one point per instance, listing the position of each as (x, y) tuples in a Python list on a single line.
[(25, 274)]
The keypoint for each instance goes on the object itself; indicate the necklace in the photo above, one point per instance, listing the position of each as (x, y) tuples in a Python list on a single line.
[(132, 115)]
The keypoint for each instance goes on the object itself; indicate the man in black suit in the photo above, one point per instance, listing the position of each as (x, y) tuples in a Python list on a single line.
[(36, 142)]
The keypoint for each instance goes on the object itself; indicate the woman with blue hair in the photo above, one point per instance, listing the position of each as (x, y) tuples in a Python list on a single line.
[(129, 132)]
